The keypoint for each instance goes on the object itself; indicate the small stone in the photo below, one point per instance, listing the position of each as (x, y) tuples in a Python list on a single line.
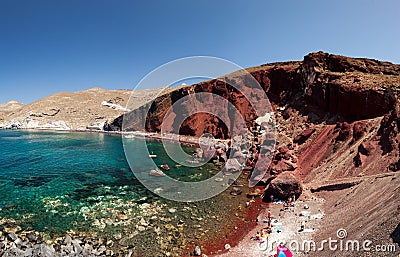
[(143, 223), (12, 236), (235, 191), (197, 251), (12, 229), (100, 250), (77, 248), (31, 237), (122, 216), (227, 246), (47, 250), (172, 210), (18, 241), (67, 240)]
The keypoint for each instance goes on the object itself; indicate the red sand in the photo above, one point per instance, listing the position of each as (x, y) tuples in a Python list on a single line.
[(216, 245)]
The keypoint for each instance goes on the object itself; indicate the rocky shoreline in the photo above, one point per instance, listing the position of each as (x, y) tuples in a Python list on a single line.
[(14, 241), (162, 231)]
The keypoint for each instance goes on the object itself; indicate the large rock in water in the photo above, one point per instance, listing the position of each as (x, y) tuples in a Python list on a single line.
[(284, 186)]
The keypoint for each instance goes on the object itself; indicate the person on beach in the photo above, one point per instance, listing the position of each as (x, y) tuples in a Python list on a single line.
[(269, 224), (303, 225), (269, 215), (261, 238)]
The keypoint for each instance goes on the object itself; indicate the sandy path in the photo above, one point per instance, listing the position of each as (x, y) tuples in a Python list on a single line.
[(290, 220)]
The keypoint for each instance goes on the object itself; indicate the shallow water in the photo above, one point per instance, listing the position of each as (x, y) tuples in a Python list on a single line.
[(54, 181), (80, 184)]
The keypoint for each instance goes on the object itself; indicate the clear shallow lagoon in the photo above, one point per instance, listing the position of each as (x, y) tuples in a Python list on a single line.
[(80, 184), (57, 181)]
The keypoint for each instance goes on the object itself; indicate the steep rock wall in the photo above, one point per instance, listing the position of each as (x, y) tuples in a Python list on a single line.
[(323, 84)]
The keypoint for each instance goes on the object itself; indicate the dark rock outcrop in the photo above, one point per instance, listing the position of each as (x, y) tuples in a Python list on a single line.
[(396, 235), (356, 88), (300, 139), (285, 185), (389, 131)]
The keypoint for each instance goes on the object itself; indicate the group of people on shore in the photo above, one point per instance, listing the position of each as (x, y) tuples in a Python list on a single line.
[(262, 238), (262, 235)]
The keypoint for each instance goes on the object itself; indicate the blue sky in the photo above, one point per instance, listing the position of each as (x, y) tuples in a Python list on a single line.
[(51, 46)]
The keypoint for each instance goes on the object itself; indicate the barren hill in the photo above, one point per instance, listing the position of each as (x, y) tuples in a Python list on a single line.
[(90, 108), (8, 108)]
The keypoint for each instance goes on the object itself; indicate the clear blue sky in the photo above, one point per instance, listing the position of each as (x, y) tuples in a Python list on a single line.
[(70, 45)]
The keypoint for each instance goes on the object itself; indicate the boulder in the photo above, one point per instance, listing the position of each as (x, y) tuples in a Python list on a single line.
[(344, 131), (300, 139), (156, 173), (235, 191), (284, 186)]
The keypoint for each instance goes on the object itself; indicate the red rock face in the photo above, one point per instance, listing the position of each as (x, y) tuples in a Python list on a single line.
[(283, 76), (322, 84), (330, 110), (353, 88)]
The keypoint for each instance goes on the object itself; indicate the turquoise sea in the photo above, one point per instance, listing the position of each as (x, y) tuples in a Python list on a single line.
[(60, 181)]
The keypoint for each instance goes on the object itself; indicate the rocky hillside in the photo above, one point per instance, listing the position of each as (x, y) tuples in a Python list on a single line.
[(87, 109), (322, 84), (338, 122), (8, 108)]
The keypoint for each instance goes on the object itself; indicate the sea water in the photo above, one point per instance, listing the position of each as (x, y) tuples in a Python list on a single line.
[(62, 181)]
